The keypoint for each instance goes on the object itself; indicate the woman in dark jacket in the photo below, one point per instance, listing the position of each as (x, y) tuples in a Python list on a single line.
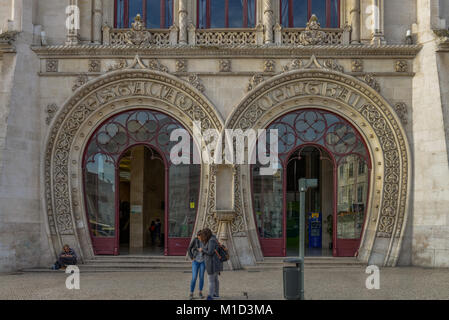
[(213, 263), (198, 265)]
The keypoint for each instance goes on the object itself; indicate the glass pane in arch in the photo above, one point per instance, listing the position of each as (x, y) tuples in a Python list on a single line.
[(319, 128), (100, 165), (184, 190), (353, 178), (268, 203), (100, 189)]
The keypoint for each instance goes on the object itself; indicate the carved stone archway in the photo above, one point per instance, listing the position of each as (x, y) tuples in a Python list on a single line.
[(361, 105), (81, 114)]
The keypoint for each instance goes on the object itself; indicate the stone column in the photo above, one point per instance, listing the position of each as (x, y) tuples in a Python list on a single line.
[(225, 211), (268, 20), (183, 22), (354, 13), (378, 36), (72, 22), (97, 20)]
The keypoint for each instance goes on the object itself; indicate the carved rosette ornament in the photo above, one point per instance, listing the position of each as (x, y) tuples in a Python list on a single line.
[(268, 66), (181, 65), (357, 65), (224, 65), (401, 66), (312, 35), (51, 65), (138, 35)]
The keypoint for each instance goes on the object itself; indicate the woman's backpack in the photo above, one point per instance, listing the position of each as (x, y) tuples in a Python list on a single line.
[(222, 252)]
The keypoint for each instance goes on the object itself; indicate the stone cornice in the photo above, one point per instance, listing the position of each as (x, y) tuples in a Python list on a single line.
[(244, 51)]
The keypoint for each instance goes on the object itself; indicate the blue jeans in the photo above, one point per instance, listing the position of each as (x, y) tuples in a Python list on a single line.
[(197, 267)]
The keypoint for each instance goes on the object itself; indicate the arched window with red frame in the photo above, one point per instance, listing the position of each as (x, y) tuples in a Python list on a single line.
[(226, 14), (296, 13), (155, 13)]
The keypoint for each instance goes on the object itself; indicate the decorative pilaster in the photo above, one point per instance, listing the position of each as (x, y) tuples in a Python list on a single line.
[(183, 22), (268, 20), (106, 34), (97, 20), (72, 23), (354, 14), (192, 36)]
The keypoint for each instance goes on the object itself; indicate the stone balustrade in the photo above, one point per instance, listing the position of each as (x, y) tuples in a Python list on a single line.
[(313, 34), (225, 37)]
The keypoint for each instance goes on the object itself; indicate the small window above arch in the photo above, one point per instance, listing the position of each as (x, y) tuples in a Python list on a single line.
[(296, 13), (226, 14), (155, 13)]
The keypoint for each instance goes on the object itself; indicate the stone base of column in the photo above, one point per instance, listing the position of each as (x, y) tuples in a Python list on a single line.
[(224, 236)]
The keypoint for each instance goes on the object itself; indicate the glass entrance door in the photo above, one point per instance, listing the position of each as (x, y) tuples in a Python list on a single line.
[(174, 200)]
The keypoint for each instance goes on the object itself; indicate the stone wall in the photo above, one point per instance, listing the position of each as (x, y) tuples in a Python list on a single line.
[(431, 174)]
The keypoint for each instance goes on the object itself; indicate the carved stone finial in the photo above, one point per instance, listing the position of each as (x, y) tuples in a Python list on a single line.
[(313, 23), (137, 35), (312, 35), (137, 63), (137, 25)]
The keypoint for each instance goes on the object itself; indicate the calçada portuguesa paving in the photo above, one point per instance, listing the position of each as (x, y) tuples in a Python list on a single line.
[(320, 283)]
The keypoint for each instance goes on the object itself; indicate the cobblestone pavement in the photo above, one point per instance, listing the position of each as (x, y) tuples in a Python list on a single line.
[(340, 283)]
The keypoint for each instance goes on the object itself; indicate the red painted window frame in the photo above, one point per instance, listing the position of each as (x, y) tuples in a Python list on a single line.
[(208, 9), (144, 15), (309, 13)]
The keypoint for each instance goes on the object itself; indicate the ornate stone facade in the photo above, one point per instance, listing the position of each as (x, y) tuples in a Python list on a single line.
[(227, 79)]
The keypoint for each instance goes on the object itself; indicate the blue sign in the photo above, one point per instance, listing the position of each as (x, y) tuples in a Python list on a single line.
[(315, 229)]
